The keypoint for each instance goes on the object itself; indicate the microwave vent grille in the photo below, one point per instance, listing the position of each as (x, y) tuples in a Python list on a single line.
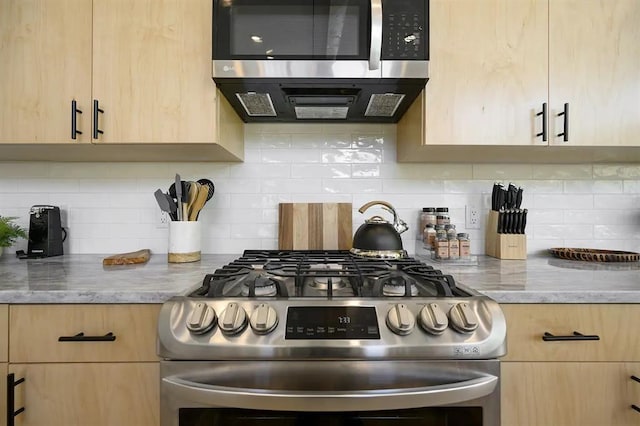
[(383, 104), (257, 104)]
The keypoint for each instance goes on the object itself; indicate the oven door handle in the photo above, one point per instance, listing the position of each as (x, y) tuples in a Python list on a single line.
[(365, 400)]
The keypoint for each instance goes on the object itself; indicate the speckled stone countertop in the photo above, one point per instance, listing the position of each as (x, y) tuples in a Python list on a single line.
[(83, 279), (546, 279)]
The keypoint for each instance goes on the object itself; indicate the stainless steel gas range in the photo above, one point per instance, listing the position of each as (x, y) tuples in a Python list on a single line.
[(326, 337)]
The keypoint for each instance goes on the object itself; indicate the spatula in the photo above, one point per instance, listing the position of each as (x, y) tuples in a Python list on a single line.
[(199, 202)]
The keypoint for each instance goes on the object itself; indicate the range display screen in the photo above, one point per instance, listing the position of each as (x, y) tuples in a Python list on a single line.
[(332, 322)]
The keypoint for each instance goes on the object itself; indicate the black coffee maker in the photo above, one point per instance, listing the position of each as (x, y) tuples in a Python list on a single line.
[(45, 232)]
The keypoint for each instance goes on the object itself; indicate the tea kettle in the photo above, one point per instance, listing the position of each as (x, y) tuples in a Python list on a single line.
[(379, 238)]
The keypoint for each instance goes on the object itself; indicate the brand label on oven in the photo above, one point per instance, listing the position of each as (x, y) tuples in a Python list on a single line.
[(465, 351)]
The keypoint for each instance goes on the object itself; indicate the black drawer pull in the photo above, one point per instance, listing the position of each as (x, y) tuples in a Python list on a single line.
[(635, 407), (11, 394), (548, 337), (80, 337), (96, 127), (636, 378), (74, 123)]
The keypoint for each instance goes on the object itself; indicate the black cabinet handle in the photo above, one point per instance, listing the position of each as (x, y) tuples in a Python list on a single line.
[(74, 125), (635, 407), (96, 110), (637, 379), (543, 113), (11, 398), (80, 337), (548, 337), (565, 115)]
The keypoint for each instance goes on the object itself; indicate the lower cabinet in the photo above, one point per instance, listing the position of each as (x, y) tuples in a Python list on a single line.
[(570, 393), (571, 365), (96, 394), (92, 365)]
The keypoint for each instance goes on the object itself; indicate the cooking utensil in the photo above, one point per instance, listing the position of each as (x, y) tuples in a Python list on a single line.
[(199, 202), (178, 191), (166, 203), (377, 237), (210, 186), (315, 226)]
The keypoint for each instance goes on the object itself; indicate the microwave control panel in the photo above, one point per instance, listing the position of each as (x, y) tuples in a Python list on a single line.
[(405, 30)]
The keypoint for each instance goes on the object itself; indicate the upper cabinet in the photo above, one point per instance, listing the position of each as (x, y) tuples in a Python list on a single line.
[(594, 67), (139, 72), (501, 72), (45, 46)]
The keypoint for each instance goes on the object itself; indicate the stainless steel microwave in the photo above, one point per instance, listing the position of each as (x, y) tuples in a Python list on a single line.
[(308, 60)]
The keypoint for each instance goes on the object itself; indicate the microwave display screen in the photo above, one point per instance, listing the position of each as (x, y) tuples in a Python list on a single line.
[(295, 30)]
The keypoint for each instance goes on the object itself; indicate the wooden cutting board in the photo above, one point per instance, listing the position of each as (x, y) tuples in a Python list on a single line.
[(134, 257), (315, 226)]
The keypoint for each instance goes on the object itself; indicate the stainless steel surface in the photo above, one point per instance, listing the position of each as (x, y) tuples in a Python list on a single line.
[(375, 50), (316, 386), (176, 342), (380, 254), (318, 69)]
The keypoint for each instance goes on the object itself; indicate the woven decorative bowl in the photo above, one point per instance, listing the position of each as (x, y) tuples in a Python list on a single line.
[(594, 255)]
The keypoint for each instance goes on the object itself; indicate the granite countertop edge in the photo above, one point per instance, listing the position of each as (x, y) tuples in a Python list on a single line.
[(81, 279)]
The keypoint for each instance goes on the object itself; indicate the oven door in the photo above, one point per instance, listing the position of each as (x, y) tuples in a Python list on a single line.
[(442, 393)]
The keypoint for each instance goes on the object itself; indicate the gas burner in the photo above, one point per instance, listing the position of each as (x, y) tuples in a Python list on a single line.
[(264, 286), (396, 285), (322, 283)]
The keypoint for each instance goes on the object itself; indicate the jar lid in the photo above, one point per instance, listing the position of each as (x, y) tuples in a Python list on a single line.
[(428, 209), (442, 209), (449, 226), (442, 217), (463, 235), (439, 227), (430, 225)]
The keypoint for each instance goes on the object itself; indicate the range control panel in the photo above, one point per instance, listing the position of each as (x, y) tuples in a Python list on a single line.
[(332, 322)]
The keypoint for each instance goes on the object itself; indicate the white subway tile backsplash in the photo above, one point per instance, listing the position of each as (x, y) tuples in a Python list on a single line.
[(110, 207), (320, 171), (352, 156), (562, 171)]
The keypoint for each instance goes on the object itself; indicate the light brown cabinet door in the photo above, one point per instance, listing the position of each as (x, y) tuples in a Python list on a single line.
[(488, 72), (594, 66), (3, 394), (96, 394), (569, 394), (152, 71), (45, 46), (612, 323), (36, 331)]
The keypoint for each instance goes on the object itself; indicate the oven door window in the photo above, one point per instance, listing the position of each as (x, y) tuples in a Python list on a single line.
[(434, 416), (291, 29)]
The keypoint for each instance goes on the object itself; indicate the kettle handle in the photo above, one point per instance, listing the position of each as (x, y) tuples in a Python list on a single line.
[(399, 224), (373, 203)]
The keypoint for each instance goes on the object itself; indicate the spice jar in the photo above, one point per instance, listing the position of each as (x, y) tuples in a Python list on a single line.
[(442, 216), (454, 246), (428, 216), (451, 231), (465, 245), (441, 243), (429, 235)]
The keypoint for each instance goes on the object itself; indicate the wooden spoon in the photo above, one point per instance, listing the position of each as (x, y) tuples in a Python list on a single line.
[(199, 202)]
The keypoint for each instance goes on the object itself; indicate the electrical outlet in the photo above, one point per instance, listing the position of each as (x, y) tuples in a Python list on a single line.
[(472, 220), (163, 219)]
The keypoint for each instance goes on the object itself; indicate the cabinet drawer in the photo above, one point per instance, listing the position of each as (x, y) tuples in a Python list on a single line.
[(616, 325), (35, 332), (4, 332)]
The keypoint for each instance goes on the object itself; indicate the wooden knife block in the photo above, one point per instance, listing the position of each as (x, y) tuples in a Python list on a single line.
[(503, 246)]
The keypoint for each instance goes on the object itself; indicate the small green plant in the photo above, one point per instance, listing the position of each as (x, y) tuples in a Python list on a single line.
[(10, 232)]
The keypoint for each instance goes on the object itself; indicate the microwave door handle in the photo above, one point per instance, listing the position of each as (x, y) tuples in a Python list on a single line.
[(376, 35)]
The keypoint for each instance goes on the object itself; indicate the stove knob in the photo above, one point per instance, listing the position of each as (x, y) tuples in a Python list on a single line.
[(233, 319), (463, 319), (433, 319), (202, 319), (400, 319), (263, 319)]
